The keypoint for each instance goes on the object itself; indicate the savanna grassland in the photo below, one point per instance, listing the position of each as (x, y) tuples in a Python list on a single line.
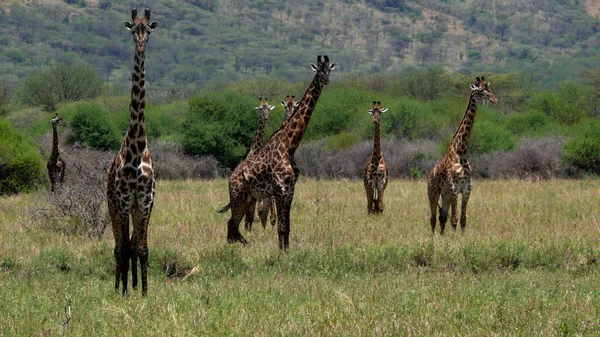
[(527, 265)]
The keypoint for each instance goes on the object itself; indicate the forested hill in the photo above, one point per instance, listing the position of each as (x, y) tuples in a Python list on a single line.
[(202, 41)]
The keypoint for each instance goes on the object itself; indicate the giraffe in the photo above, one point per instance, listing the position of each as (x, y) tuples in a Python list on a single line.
[(56, 165), (376, 170), (255, 146), (267, 205), (272, 171), (130, 177), (452, 175)]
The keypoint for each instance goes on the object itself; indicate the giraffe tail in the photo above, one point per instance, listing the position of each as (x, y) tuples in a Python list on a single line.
[(225, 208)]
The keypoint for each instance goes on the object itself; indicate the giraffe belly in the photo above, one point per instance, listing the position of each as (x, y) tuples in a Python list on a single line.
[(133, 189)]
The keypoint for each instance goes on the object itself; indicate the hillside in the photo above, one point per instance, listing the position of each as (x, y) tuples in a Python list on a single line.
[(203, 41)]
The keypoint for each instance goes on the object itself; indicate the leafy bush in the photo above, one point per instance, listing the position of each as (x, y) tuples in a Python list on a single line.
[(487, 137), (21, 167), (222, 126), (63, 83), (91, 127), (583, 151), (530, 122)]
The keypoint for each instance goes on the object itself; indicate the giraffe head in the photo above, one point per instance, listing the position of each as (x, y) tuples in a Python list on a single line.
[(377, 111), (140, 28), (323, 68), (481, 90), (289, 104), (58, 121), (264, 108)]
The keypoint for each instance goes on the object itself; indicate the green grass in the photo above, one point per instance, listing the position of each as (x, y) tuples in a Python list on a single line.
[(527, 265)]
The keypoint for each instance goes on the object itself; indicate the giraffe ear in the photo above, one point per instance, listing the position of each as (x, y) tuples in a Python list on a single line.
[(153, 25), (370, 112), (474, 87), (283, 103), (257, 108), (271, 107), (332, 66), (314, 67), (488, 84), (128, 24), (384, 110)]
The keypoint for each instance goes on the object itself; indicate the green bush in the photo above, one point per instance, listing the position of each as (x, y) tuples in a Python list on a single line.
[(583, 151), (21, 167), (528, 122), (221, 125), (92, 128), (488, 137)]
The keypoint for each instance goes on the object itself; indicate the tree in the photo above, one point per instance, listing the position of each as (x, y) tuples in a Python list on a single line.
[(63, 83)]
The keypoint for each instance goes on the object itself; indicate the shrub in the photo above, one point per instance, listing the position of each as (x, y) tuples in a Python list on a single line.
[(91, 127), (79, 205), (221, 126), (487, 137), (171, 163), (531, 121), (534, 158), (63, 83), (583, 151), (21, 167)]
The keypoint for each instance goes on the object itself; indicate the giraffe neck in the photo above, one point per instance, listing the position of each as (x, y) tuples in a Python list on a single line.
[(260, 132), (459, 141), (55, 152), (298, 121), (136, 133), (376, 156)]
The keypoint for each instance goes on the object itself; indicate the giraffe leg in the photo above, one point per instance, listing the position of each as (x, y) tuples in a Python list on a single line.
[(379, 206), (283, 222), (250, 215), (273, 212), (370, 202), (434, 196), (453, 208), (120, 226), (446, 198), (263, 211), (463, 207), (136, 219), (238, 210)]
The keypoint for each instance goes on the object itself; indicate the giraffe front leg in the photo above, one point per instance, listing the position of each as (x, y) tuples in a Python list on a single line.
[(434, 197), (370, 202), (273, 213), (463, 207), (283, 223), (446, 199), (453, 207), (120, 225)]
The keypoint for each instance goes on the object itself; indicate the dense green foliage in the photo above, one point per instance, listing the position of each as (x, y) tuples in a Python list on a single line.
[(583, 150), (21, 167), (221, 125), (91, 127)]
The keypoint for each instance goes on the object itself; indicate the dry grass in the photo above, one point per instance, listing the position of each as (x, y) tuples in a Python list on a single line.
[(527, 265)]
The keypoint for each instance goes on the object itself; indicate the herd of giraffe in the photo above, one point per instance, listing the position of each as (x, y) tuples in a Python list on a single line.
[(267, 177)]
